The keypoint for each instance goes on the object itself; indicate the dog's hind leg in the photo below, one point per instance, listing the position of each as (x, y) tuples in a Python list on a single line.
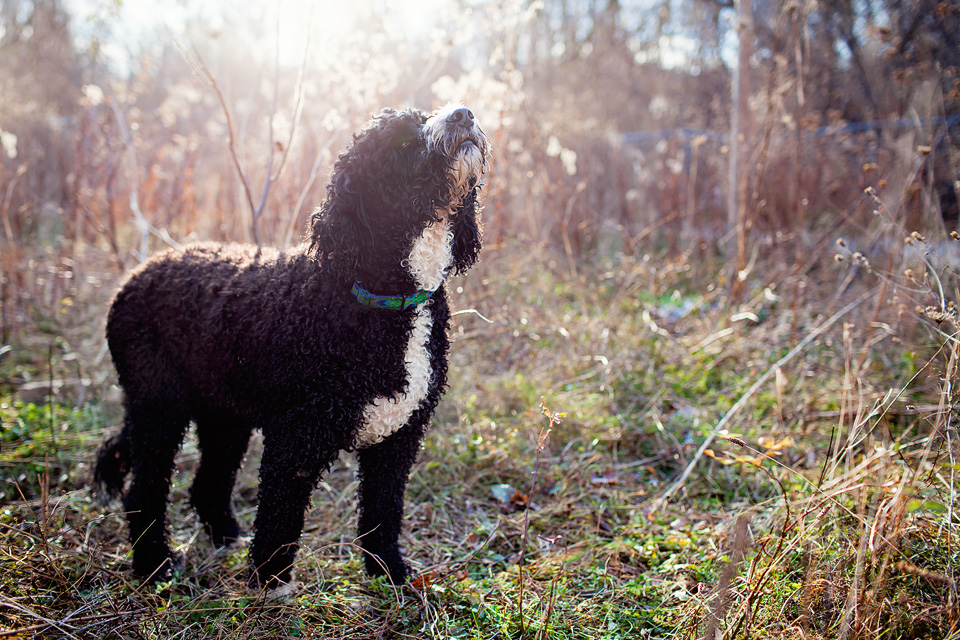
[(223, 439), (384, 470), (155, 431)]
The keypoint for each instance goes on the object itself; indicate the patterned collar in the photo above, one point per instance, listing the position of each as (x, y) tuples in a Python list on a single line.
[(395, 303)]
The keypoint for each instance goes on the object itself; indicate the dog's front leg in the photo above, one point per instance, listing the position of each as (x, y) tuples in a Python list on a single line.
[(384, 469), (289, 471)]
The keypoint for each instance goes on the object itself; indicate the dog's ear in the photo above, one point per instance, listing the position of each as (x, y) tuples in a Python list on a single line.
[(360, 225), (467, 232), (340, 231)]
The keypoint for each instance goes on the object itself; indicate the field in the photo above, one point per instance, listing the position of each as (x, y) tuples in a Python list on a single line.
[(622, 453), (703, 382)]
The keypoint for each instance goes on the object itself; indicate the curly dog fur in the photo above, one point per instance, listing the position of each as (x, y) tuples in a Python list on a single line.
[(235, 339)]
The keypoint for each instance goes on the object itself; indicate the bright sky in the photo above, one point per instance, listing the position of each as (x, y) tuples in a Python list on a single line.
[(128, 29), (131, 24)]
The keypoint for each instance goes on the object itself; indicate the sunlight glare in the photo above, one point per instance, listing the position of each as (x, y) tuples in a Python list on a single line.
[(335, 25)]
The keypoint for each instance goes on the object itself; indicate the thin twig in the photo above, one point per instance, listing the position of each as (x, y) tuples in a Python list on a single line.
[(314, 170), (273, 174), (8, 198), (195, 60)]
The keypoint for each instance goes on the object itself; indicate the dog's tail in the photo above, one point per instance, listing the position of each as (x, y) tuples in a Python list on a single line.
[(113, 465)]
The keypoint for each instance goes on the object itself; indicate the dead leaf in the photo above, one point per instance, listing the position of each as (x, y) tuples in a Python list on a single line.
[(422, 581), (520, 500)]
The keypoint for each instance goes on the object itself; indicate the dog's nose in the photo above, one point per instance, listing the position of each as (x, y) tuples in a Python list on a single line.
[(461, 116)]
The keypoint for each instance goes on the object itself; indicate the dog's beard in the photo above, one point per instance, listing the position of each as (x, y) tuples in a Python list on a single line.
[(465, 170), (466, 147)]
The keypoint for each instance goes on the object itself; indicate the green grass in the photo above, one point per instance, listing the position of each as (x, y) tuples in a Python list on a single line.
[(848, 528), (44, 444)]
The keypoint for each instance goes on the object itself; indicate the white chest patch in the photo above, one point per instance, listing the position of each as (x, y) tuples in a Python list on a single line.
[(430, 259)]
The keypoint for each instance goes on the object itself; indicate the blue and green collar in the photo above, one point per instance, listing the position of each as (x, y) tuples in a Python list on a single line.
[(395, 303)]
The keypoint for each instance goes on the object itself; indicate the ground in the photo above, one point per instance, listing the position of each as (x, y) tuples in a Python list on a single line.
[(546, 503)]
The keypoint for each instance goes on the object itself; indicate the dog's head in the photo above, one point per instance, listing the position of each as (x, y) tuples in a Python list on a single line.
[(406, 171)]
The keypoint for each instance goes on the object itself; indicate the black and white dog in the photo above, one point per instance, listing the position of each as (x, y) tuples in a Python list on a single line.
[(338, 344)]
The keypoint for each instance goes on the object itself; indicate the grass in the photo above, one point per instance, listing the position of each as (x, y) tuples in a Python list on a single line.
[(825, 510)]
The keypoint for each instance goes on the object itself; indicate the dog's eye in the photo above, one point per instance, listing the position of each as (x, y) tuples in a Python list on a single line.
[(406, 139)]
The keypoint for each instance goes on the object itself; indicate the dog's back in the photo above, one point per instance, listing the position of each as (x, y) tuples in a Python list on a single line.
[(210, 324)]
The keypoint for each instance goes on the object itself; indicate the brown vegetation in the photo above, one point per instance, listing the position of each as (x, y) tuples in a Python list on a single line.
[(619, 282)]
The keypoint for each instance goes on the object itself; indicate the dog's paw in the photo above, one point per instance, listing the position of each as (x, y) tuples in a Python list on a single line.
[(225, 535), (394, 568), (273, 586), (160, 571)]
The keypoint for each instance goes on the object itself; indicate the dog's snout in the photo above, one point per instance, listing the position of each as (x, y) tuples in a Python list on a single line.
[(461, 116)]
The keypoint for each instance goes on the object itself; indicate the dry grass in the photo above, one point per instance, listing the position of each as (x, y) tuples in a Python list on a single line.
[(826, 510)]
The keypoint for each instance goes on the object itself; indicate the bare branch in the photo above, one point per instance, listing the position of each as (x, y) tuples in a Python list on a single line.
[(195, 60), (140, 221), (314, 170), (272, 175), (298, 99)]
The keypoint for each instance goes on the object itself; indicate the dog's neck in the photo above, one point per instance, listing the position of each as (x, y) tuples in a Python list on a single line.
[(432, 255), (428, 264)]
